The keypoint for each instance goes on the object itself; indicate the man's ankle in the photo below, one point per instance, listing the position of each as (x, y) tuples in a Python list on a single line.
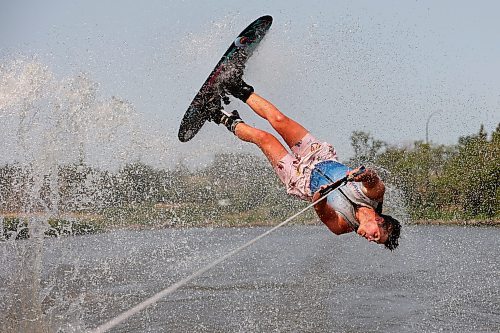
[(230, 120)]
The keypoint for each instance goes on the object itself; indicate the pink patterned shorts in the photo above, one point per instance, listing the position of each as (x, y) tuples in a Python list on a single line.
[(295, 170)]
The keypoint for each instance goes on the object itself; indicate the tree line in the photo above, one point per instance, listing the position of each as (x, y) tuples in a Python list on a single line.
[(459, 181)]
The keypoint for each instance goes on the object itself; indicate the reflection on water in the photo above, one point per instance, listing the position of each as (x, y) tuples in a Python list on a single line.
[(297, 279)]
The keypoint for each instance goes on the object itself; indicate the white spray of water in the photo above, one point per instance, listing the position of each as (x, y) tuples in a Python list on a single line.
[(46, 121)]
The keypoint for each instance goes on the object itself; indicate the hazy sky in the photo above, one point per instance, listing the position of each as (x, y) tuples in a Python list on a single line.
[(336, 66)]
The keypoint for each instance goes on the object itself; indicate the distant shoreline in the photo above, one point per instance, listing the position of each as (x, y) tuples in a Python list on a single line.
[(494, 223), (78, 223), (96, 217)]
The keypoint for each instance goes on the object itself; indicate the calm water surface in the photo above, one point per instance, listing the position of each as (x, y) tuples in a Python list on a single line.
[(298, 279)]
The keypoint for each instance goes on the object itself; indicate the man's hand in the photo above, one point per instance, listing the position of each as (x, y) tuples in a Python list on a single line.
[(317, 194), (367, 177), (373, 187)]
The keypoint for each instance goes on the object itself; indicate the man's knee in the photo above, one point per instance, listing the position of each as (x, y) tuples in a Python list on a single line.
[(263, 137), (279, 120)]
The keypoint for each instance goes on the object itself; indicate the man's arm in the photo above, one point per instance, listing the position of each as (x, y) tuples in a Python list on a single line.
[(373, 187), (329, 216)]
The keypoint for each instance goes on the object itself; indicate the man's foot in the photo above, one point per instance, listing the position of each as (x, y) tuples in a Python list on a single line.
[(230, 120), (233, 83)]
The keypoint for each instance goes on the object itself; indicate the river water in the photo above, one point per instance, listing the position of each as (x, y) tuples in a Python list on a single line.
[(297, 279)]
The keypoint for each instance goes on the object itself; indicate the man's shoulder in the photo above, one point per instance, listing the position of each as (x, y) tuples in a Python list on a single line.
[(344, 226)]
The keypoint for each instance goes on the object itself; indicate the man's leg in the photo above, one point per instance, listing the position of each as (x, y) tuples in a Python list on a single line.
[(283, 163), (291, 131), (270, 146)]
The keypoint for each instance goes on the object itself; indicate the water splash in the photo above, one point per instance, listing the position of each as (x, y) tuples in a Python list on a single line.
[(46, 121), (47, 126)]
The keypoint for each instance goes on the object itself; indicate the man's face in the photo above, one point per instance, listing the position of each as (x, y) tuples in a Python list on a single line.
[(373, 230)]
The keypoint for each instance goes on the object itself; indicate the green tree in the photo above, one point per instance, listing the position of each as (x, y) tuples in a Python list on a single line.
[(471, 175), (366, 148), (414, 170), (138, 183)]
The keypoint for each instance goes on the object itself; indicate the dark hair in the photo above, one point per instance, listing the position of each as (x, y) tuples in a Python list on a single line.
[(394, 228)]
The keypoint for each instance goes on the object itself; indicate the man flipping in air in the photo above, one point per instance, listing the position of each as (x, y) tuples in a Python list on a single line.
[(355, 206)]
